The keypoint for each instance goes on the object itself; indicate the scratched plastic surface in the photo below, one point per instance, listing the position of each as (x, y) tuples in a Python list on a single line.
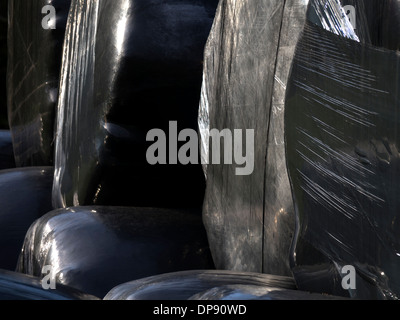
[(34, 61), (250, 219), (342, 140), (129, 66)]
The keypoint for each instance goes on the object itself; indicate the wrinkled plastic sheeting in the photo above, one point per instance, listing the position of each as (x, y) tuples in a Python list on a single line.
[(25, 195), (129, 67), (343, 145), (94, 249), (34, 62), (17, 286), (249, 219), (370, 21), (250, 292), (184, 285), (332, 16), (7, 160)]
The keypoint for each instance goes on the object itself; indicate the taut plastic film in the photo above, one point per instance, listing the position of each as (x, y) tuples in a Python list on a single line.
[(129, 66), (35, 41), (249, 216), (342, 138)]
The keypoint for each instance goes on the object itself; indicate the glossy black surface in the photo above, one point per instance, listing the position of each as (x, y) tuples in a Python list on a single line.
[(130, 66), (96, 248), (25, 195), (17, 286), (377, 22), (184, 285), (251, 292), (7, 160), (34, 60)]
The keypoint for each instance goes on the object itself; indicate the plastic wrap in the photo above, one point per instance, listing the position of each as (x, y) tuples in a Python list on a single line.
[(16, 286), (7, 160), (25, 195), (342, 143), (183, 285), (34, 61), (249, 219), (129, 67), (249, 292), (375, 22), (95, 249)]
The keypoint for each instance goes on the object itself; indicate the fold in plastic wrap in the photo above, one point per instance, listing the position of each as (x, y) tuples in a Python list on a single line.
[(17, 286), (129, 66), (342, 139), (250, 219), (34, 61), (184, 285), (94, 249), (25, 195)]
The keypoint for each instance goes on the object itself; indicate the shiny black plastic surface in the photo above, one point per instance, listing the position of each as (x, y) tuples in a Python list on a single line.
[(25, 195), (129, 66), (97, 248), (17, 286), (184, 285)]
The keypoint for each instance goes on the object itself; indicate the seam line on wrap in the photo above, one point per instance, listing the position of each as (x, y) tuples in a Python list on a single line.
[(268, 135)]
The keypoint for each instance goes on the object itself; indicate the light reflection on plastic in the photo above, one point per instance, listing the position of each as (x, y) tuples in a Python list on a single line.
[(121, 28)]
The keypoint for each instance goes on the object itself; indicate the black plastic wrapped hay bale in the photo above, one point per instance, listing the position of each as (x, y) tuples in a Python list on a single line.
[(129, 67), (34, 61), (94, 249), (249, 217), (342, 138), (186, 284)]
